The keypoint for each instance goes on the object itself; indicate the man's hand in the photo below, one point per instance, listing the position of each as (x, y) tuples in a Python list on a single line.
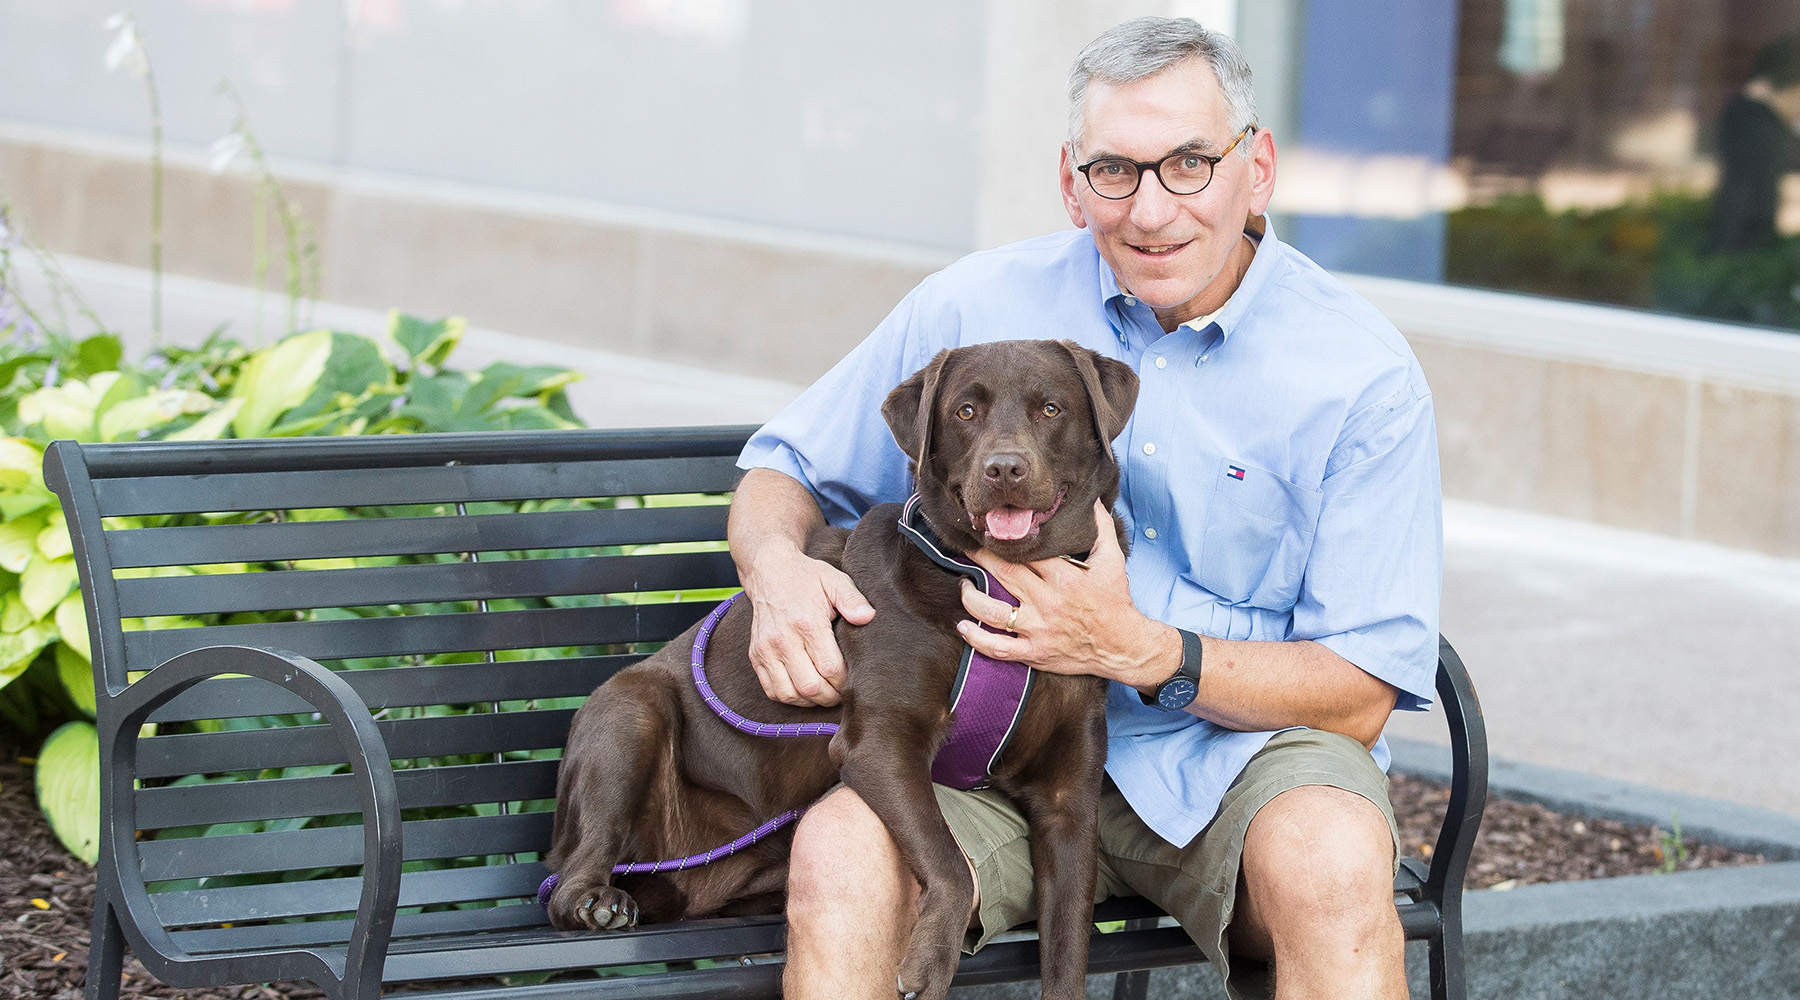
[(792, 647), (1071, 620)]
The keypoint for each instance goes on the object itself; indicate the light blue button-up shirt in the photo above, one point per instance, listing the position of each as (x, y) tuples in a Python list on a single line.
[(1280, 474)]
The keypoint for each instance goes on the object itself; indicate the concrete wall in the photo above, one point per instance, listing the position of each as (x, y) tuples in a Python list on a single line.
[(1643, 421)]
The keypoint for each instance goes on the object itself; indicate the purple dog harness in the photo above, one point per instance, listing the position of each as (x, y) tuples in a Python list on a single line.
[(987, 701)]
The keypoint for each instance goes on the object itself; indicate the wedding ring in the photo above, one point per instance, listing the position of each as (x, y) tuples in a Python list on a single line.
[(1012, 620)]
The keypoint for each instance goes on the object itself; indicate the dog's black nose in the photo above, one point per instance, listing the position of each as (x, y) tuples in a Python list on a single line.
[(1007, 468)]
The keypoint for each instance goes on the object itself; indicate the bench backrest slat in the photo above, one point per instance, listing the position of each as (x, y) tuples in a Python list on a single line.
[(440, 484), (340, 846), (281, 900), (428, 634), (494, 579), (303, 746), (450, 684), (282, 798), (544, 529)]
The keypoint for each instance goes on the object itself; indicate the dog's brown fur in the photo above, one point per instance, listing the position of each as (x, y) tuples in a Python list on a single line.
[(650, 772)]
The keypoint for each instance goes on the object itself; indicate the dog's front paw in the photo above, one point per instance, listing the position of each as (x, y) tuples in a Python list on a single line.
[(600, 908), (926, 976)]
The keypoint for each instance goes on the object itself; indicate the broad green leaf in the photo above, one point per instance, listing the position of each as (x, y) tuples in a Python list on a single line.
[(68, 787), (18, 542), (53, 542), (212, 426), (77, 676), (71, 624), (64, 411), (99, 353), (425, 343), (114, 388), (21, 497), (45, 583), (277, 379), (18, 649), (126, 420), (14, 615), (355, 369)]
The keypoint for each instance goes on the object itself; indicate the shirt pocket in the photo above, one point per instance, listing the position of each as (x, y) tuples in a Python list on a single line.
[(1259, 533)]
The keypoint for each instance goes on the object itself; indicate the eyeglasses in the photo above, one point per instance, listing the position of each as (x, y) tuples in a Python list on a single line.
[(1115, 177)]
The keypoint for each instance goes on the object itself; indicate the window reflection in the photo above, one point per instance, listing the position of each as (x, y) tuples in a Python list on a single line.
[(1637, 152)]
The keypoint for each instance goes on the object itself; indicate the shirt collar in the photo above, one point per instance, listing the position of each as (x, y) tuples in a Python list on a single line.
[(1261, 265)]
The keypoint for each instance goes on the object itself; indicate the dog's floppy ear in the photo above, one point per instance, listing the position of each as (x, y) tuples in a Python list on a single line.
[(909, 407), (1112, 389)]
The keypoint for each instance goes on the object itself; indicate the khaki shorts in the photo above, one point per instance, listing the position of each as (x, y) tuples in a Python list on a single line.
[(1196, 884)]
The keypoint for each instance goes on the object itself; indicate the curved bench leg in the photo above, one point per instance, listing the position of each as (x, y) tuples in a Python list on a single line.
[(1447, 982), (106, 955)]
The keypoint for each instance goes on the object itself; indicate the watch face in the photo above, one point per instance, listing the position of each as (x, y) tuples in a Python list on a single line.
[(1176, 693)]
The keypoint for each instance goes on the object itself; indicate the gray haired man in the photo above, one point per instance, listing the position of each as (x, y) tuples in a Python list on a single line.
[(1281, 488)]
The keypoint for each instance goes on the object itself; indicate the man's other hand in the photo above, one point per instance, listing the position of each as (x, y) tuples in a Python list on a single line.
[(792, 647)]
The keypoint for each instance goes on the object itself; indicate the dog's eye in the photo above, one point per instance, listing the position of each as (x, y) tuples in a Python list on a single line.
[(965, 412), (1051, 409)]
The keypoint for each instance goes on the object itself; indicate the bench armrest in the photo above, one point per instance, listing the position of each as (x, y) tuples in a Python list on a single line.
[(350, 719)]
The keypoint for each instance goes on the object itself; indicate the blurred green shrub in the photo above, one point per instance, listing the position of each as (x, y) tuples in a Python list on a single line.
[(1648, 255)]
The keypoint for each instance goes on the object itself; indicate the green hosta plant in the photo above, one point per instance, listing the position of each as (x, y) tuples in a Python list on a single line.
[(319, 382)]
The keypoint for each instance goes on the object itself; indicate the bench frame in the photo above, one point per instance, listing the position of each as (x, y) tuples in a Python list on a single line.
[(351, 965)]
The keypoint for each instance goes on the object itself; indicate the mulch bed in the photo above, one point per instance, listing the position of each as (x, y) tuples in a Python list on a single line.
[(46, 895)]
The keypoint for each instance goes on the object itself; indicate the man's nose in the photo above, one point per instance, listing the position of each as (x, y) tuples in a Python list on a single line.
[(1152, 207), (1005, 468)]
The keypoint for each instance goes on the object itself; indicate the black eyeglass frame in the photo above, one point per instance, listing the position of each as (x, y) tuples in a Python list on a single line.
[(1155, 167)]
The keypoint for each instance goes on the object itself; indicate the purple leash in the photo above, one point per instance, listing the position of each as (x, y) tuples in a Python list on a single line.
[(698, 662)]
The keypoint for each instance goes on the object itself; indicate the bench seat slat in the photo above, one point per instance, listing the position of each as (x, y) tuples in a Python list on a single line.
[(296, 746), (200, 545), (425, 634), (239, 904), (286, 590), (338, 846), (412, 486), (446, 684), (281, 798)]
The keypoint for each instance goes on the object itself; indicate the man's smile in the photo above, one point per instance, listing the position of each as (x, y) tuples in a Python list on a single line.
[(1162, 250)]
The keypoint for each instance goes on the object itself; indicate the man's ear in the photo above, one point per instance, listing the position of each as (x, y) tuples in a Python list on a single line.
[(909, 407), (1112, 389)]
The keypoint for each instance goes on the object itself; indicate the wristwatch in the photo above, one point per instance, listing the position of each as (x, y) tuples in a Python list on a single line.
[(1178, 692)]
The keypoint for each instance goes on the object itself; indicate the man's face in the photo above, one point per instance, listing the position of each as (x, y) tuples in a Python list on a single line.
[(1171, 251)]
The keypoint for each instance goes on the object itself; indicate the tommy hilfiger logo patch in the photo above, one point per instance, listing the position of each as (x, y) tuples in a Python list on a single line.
[(1234, 472)]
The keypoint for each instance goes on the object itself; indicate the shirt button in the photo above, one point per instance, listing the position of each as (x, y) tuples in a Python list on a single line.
[(1203, 358), (1162, 362), (1149, 449), (1149, 532)]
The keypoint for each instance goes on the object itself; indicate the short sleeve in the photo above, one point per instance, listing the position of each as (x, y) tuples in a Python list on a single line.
[(1374, 578), (832, 439)]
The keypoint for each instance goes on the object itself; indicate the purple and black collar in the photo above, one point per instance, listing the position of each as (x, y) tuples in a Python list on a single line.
[(989, 696)]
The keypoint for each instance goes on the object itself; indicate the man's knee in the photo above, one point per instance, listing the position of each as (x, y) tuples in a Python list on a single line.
[(1320, 855), (842, 854)]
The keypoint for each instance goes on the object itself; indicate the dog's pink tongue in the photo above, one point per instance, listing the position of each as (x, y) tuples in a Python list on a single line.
[(1009, 523)]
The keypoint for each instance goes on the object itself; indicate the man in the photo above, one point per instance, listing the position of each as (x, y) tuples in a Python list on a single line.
[(1281, 490), (1757, 146)]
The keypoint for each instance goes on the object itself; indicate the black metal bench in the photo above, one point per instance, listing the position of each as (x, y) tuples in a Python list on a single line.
[(385, 757)]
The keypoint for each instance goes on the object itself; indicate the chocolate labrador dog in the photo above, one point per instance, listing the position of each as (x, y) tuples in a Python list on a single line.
[(1012, 447)]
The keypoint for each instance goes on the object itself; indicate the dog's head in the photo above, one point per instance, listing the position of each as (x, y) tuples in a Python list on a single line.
[(1011, 443)]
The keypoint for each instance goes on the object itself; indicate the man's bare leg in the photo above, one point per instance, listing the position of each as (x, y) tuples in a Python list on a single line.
[(851, 904), (1316, 895)]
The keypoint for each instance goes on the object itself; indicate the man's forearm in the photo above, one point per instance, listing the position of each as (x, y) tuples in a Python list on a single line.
[(769, 508), (1259, 686)]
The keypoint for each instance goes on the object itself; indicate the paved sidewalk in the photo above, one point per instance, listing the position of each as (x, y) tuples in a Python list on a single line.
[(1632, 656)]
